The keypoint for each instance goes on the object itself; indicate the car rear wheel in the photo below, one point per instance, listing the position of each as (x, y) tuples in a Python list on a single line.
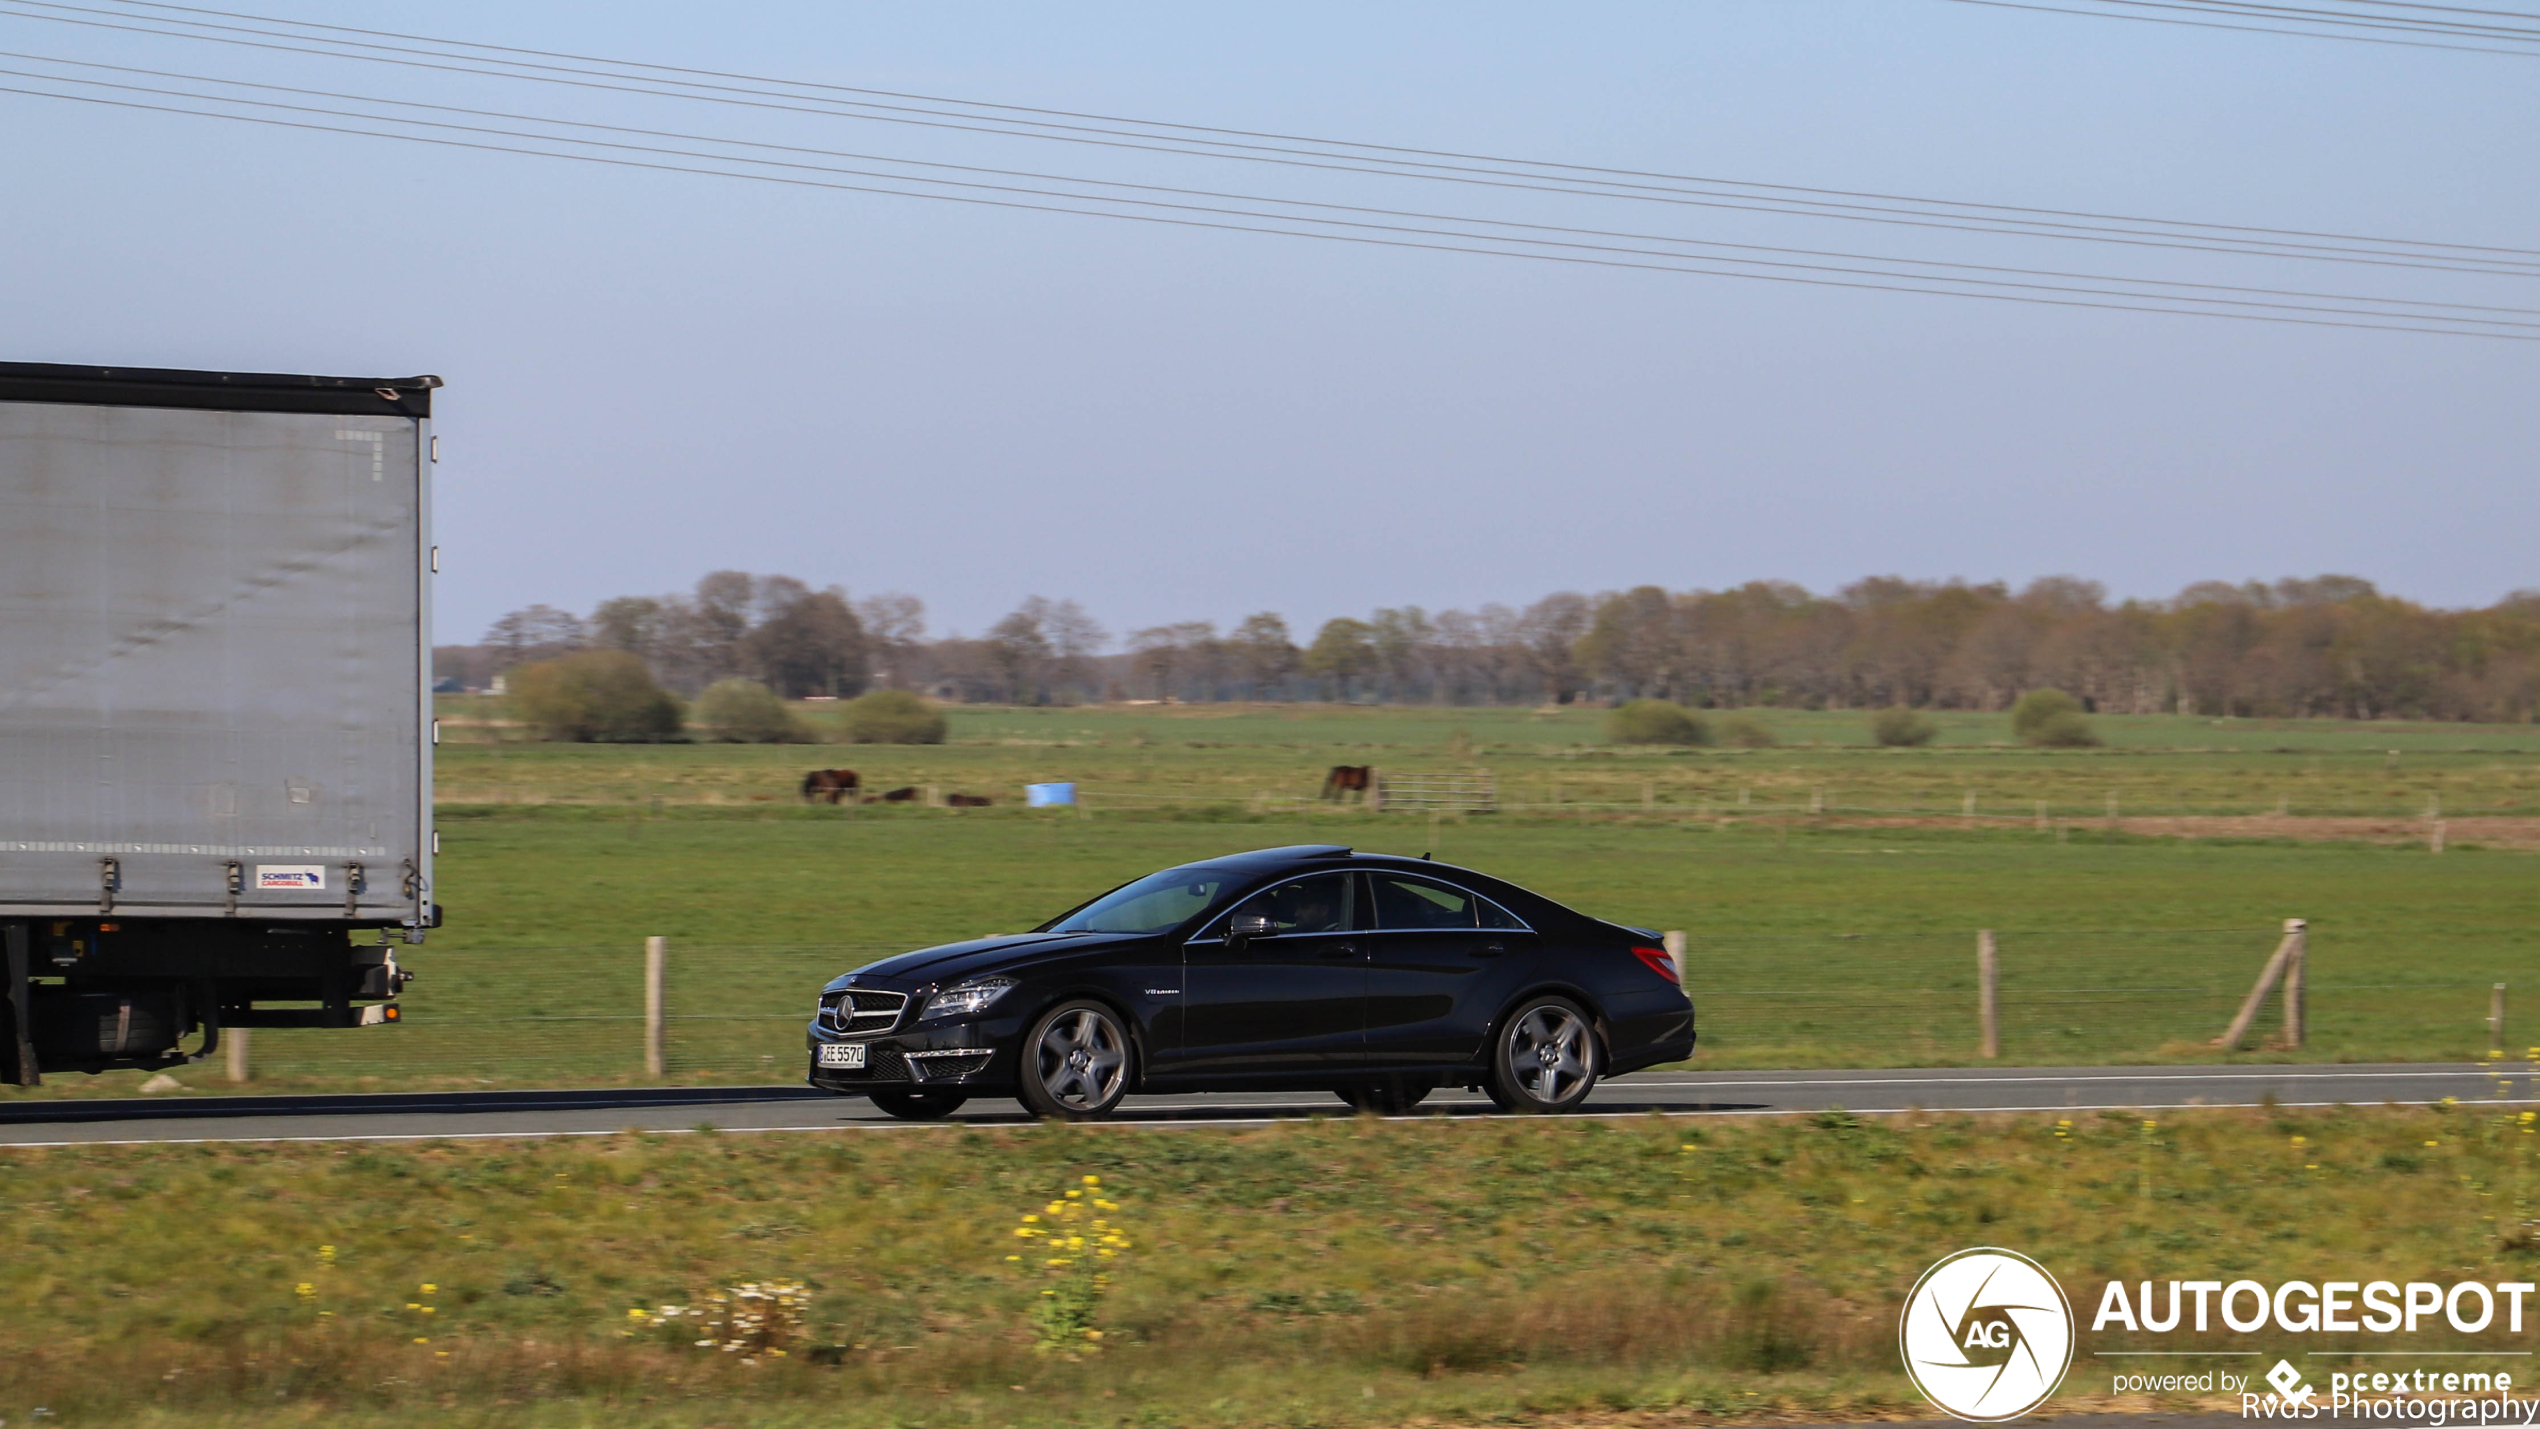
[(1545, 1058), (919, 1106), (1391, 1097), (1076, 1063)]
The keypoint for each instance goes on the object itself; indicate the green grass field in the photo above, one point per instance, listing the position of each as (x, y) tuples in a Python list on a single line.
[(1315, 1273), (1247, 755), (1840, 940)]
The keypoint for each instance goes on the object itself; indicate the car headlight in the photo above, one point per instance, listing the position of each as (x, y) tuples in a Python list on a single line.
[(967, 999)]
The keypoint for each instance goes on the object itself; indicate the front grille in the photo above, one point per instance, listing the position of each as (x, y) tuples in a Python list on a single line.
[(858, 1012), (882, 1064), (946, 1066)]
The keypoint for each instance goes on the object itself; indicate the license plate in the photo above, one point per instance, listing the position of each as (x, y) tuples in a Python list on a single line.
[(842, 1054)]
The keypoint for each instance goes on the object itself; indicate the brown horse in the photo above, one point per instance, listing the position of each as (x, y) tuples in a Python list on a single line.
[(1349, 779), (834, 785), (966, 801), (905, 794)]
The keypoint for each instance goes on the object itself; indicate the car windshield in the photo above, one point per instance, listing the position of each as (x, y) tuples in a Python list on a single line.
[(1150, 905)]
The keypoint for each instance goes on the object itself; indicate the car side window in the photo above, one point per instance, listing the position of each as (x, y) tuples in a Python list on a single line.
[(1494, 916), (1415, 903), (1320, 904)]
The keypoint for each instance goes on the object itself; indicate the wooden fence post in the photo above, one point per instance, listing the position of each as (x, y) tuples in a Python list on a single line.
[(1673, 940), (2239, 1028), (1988, 1016), (233, 1046), (2496, 1017), (2296, 981), (656, 953)]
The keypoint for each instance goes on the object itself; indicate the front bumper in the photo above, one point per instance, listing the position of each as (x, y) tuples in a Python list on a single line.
[(971, 1055)]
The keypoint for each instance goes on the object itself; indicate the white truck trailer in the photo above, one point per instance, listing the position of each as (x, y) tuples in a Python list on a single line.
[(215, 712)]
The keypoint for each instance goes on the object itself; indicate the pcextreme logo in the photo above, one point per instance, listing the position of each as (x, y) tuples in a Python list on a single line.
[(1987, 1334)]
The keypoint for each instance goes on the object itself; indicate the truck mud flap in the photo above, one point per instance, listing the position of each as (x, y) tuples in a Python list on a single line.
[(18, 1066)]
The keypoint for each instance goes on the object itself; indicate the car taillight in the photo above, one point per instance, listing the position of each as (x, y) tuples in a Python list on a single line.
[(1659, 962)]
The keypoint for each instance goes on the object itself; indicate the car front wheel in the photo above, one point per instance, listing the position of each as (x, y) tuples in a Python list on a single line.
[(1076, 1063), (1545, 1058)]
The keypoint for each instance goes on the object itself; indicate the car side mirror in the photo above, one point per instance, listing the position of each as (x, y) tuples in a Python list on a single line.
[(1244, 927)]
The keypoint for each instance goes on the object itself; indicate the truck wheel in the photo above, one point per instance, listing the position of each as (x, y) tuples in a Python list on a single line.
[(919, 1106), (1076, 1063), (1545, 1058)]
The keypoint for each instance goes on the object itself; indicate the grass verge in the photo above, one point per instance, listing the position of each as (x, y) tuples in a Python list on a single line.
[(1336, 1272)]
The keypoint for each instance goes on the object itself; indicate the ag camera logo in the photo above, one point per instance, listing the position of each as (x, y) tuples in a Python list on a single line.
[(1987, 1334)]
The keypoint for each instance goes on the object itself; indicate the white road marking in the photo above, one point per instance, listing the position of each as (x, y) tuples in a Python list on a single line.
[(1299, 1114)]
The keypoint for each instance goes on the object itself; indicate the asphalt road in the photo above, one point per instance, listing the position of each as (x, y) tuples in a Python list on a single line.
[(424, 1116)]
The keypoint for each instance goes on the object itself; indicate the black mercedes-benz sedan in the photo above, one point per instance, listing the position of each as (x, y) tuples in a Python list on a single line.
[(1287, 969)]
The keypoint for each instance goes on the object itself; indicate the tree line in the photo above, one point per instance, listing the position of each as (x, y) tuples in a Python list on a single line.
[(2326, 646)]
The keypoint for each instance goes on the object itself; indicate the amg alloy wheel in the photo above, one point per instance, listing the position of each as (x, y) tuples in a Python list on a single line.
[(1076, 1063), (919, 1106), (1545, 1058)]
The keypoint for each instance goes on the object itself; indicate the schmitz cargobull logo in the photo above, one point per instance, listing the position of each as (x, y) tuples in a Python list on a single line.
[(1987, 1334)]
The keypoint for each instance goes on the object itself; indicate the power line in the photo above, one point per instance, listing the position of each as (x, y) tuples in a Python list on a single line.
[(1623, 185), (2423, 24), (2457, 9), (2246, 29), (1158, 188), (1410, 243)]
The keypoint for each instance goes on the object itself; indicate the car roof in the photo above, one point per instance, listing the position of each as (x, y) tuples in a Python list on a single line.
[(1301, 858), (1292, 855)]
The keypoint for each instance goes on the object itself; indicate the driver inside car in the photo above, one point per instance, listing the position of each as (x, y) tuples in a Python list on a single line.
[(1309, 905)]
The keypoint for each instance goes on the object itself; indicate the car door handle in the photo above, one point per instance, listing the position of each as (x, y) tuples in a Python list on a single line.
[(1491, 950), (1341, 950)]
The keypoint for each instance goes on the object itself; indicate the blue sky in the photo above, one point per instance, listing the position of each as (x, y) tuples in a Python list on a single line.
[(656, 375)]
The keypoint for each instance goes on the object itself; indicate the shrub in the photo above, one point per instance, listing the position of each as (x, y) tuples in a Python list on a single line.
[(1747, 732), (2051, 719), (747, 712), (1654, 722), (2065, 731), (2037, 707), (893, 717), (1900, 728), (603, 696)]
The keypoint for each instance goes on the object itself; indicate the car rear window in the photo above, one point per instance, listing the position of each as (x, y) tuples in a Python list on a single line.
[(1418, 903)]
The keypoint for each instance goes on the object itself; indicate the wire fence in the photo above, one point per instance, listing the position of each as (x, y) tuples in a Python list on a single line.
[(735, 1014)]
